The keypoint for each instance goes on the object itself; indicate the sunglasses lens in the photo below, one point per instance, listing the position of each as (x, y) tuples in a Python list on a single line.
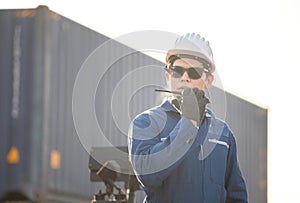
[(177, 71), (195, 73)]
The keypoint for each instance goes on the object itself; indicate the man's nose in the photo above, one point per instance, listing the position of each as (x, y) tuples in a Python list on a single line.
[(185, 77)]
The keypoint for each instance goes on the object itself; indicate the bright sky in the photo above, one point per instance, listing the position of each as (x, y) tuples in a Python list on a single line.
[(256, 47)]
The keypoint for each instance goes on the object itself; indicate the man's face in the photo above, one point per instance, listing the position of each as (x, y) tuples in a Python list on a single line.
[(180, 83)]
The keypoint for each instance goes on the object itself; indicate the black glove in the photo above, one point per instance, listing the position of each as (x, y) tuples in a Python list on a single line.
[(193, 104)]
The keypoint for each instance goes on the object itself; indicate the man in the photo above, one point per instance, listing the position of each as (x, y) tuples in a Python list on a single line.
[(179, 150)]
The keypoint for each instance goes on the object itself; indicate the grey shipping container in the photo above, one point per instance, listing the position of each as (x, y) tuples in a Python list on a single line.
[(43, 156)]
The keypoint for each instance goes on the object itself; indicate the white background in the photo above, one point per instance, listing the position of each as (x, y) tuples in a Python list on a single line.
[(256, 45)]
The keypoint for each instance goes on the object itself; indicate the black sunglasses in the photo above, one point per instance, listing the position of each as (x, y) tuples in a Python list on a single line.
[(193, 72)]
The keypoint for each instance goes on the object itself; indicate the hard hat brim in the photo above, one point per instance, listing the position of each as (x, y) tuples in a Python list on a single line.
[(189, 52)]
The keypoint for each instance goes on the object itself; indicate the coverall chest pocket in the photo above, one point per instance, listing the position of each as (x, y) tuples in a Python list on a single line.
[(218, 162)]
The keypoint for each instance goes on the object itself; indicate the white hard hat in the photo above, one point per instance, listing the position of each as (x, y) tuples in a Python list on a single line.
[(192, 46)]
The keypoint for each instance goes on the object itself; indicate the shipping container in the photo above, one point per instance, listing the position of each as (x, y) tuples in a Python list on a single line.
[(41, 155), (47, 64)]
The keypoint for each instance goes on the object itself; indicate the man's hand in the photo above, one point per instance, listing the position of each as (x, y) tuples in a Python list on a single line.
[(193, 104)]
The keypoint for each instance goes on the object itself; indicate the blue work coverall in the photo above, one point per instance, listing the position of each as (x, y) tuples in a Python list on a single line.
[(175, 162)]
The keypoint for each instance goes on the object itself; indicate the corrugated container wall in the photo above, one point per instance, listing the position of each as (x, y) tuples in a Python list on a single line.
[(43, 155)]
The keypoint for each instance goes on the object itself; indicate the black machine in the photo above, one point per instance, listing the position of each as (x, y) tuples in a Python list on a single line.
[(108, 165)]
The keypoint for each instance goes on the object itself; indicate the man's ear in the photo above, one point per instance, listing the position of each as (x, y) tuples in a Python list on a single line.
[(167, 76), (209, 80)]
